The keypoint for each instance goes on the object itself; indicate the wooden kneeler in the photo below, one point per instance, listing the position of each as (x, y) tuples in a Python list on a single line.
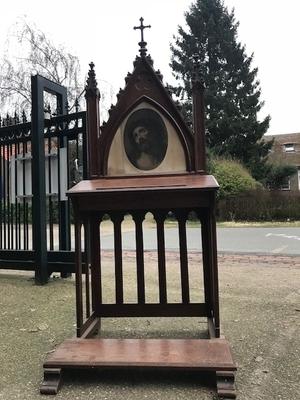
[(144, 159)]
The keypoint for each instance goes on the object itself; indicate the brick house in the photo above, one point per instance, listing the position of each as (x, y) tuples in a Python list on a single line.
[(286, 150)]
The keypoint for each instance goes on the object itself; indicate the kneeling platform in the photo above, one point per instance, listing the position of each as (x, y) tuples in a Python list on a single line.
[(212, 355)]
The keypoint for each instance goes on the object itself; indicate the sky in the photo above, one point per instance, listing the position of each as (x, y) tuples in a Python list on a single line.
[(102, 32)]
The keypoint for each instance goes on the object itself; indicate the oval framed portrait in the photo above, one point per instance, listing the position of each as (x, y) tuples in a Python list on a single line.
[(145, 139)]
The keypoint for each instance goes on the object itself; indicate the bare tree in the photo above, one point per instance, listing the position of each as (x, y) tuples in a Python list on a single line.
[(29, 51)]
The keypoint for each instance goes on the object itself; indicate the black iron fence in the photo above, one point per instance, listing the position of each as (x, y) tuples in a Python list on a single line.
[(64, 164), (15, 192)]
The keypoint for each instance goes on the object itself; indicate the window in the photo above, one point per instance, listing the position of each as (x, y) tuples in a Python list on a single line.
[(289, 147), (286, 185)]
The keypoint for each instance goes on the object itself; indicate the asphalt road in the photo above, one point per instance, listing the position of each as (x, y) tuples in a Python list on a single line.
[(232, 240)]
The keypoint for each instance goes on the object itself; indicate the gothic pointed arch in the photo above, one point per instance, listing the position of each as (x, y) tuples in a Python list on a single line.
[(145, 96), (178, 155)]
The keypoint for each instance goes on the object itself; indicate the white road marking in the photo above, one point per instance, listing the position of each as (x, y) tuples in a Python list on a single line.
[(283, 235), (279, 249)]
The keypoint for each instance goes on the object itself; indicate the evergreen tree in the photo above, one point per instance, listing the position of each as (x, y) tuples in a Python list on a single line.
[(232, 96)]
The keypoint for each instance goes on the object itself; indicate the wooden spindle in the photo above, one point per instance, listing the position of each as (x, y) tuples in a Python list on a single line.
[(117, 219), (96, 263), (160, 219), (87, 241), (78, 262), (210, 268), (87, 290), (206, 261), (215, 272), (138, 218), (185, 289)]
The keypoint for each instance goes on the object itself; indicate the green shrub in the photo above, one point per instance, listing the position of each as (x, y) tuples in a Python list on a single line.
[(232, 177)]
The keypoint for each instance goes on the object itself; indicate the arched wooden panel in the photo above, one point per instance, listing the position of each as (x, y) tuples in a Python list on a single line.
[(167, 152)]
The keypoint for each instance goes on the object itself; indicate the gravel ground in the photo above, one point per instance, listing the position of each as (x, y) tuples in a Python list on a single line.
[(260, 312)]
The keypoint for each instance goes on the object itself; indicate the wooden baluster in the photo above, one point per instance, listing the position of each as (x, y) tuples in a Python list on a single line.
[(138, 218), (210, 268), (206, 261), (117, 219), (78, 263), (215, 271), (96, 264), (181, 216), (159, 217), (87, 243)]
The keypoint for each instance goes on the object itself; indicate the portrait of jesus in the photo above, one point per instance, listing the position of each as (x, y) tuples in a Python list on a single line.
[(145, 139)]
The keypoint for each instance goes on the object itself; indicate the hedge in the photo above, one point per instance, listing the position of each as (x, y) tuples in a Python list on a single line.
[(260, 205)]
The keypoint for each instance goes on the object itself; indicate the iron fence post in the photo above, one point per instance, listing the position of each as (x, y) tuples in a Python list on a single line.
[(39, 234), (39, 85)]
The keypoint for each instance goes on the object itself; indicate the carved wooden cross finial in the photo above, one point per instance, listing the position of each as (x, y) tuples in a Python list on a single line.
[(142, 43), (142, 27)]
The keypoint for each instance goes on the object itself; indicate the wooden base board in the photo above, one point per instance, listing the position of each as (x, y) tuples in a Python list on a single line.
[(196, 354)]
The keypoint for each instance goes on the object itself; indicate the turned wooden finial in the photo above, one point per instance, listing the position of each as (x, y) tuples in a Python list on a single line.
[(198, 117), (92, 96), (91, 88)]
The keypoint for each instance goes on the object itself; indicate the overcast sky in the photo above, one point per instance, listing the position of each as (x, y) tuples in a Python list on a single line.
[(102, 31)]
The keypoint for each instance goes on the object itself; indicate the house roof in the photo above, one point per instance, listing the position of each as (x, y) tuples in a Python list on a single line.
[(284, 138), (280, 153)]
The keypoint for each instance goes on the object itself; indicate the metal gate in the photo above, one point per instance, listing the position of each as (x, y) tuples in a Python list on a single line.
[(39, 161)]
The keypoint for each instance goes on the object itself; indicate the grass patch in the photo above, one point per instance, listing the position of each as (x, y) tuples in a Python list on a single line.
[(258, 224), (241, 224)]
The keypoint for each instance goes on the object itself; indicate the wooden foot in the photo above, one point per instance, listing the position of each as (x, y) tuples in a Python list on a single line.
[(52, 381), (225, 385)]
